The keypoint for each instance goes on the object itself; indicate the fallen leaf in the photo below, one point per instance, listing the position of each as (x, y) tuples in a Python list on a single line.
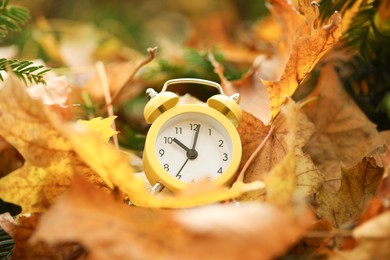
[(54, 92), (21, 231), (281, 182), (291, 131), (300, 49), (343, 132), (306, 51), (49, 157), (217, 231), (359, 185), (373, 240), (102, 127)]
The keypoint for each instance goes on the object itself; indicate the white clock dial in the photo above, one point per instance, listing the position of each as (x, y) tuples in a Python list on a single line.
[(193, 146)]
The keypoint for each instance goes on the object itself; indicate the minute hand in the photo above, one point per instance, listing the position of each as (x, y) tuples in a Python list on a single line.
[(196, 137)]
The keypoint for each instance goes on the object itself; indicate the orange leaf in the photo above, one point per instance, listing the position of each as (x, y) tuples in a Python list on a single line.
[(308, 48), (218, 231)]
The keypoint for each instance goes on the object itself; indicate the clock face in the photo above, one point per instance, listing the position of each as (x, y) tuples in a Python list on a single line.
[(193, 146)]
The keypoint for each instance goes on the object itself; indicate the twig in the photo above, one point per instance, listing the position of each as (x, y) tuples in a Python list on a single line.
[(254, 154), (152, 54), (107, 96)]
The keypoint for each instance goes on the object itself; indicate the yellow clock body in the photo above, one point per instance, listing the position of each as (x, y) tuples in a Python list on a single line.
[(192, 142)]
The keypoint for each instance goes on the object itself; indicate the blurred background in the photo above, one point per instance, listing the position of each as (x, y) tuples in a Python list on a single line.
[(71, 36)]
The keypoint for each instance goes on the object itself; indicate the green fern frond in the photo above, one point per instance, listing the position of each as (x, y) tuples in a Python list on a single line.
[(12, 18), (24, 70)]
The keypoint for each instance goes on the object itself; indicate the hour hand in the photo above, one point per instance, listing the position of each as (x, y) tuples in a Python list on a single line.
[(181, 144)]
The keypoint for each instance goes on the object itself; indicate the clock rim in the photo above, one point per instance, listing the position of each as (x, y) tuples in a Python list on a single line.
[(156, 173)]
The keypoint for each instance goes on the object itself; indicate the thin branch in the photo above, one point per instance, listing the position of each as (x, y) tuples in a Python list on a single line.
[(152, 54), (106, 90)]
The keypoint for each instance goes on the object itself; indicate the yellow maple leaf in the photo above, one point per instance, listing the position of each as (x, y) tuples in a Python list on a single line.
[(101, 126), (49, 158), (308, 47)]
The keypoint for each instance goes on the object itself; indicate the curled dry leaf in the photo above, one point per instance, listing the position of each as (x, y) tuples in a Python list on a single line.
[(359, 185), (218, 231), (21, 231), (308, 48), (49, 157), (343, 132)]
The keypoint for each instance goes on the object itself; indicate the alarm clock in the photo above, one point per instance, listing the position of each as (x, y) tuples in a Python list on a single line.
[(189, 143)]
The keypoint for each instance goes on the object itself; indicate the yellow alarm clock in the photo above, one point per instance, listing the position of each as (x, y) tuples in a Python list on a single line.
[(191, 142)]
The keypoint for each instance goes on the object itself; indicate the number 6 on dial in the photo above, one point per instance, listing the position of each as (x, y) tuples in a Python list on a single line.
[(192, 142)]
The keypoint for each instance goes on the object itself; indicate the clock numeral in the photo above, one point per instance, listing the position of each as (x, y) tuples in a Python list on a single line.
[(219, 170), (166, 167), (209, 131), (161, 152), (178, 130), (225, 157), (194, 127), (168, 140), (220, 143)]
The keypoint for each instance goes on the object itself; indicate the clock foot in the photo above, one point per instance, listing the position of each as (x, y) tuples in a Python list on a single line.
[(157, 188)]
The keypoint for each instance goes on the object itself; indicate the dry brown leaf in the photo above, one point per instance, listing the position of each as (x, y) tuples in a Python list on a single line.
[(359, 185), (10, 159), (343, 132), (22, 230), (218, 231), (281, 163), (49, 157), (373, 240)]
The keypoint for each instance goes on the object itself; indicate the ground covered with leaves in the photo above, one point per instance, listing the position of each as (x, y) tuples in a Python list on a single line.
[(314, 177)]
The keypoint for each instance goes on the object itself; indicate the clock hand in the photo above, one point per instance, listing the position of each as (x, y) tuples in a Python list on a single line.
[(178, 175), (196, 137), (181, 144)]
